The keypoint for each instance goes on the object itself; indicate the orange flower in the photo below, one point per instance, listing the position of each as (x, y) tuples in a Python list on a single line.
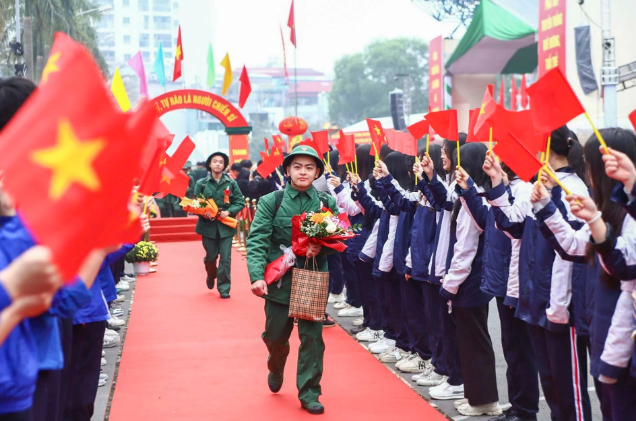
[(317, 218)]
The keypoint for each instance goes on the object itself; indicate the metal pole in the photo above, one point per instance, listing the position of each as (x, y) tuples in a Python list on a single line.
[(18, 24), (609, 71), (28, 47)]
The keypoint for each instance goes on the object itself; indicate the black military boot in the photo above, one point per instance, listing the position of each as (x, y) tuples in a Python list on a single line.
[(210, 268)]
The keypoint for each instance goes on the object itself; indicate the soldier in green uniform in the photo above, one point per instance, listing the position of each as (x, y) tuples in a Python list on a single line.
[(270, 229), (217, 237)]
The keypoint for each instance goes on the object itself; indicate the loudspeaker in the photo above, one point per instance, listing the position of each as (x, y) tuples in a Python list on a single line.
[(396, 99)]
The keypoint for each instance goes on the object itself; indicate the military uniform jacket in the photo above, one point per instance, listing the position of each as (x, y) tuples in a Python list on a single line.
[(212, 190), (271, 229)]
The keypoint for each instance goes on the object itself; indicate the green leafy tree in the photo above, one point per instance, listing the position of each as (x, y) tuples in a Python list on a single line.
[(50, 16), (363, 80)]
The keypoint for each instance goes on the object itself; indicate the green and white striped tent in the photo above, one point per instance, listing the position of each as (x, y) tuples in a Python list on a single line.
[(501, 39)]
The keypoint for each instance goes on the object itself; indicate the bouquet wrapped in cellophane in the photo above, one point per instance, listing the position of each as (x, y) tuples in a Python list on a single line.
[(201, 205), (322, 228)]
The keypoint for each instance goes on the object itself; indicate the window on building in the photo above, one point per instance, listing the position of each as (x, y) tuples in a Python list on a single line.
[(146, 22), (175, 6), (126, 39), (106, 22), (175, 23), (143, 5), (126, 21), (161, 22), (145, 55), (126, 3), (127, 57), (144, 40), (106, 39), (108, 55), (167, 54), (161, 5), (164, 39)]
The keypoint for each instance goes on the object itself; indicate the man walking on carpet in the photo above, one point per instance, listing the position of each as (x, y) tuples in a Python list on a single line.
[(217, 237), (270, 229)]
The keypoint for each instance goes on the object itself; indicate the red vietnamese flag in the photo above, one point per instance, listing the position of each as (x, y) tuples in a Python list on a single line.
[(419, 129), (632, 118), (292, 25), (554, 103), (523, 93), (472, 120), (77, 163), (444, 123), (502, 98), (406, 143), (266, 144), (346, 148), (178, 58), (485, 117), (516, 156), (322, 141), (513, 95), (180, 156), (279, 143), (312, 144), (174, 183), (153, 158), (246, 87), (270, 163), (391, 139), (378, 137)]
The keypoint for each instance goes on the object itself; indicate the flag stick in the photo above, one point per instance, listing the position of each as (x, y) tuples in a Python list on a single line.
[(145, 204), (427, 142), (490, 140), (417, 161), (458, 163), (547, 150), (541, 170), (329, 159), (556, 179), (596, 132), (295, 67), (356, 162), (377, 154)]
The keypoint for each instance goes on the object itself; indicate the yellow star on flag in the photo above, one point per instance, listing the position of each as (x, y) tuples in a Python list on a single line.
[(377, 129), (51, 66), (70, 160), (483, 108), (178, 54), (165, 179)]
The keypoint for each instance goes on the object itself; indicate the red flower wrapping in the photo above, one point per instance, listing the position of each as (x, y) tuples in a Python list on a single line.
[(226, 196)]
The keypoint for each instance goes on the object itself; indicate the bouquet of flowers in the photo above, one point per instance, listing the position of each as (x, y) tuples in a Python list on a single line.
[(143, 251), (322, 228), (201, 205)]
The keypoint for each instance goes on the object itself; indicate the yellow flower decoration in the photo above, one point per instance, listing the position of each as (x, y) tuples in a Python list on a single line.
[(317, 218)]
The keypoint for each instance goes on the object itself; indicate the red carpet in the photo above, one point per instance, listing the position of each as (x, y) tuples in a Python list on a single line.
[(189, 355)]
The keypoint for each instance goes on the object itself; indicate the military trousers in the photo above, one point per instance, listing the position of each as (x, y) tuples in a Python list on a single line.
[(278, 329), (213, 248)]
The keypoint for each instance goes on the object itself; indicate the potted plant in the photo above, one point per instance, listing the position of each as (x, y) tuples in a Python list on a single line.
[(141, 255)]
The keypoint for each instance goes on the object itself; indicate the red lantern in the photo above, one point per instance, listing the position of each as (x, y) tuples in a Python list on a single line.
[(292, 126)]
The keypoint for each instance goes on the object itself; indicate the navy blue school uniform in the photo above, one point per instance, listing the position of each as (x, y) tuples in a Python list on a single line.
[(545, 305), (608, 313), (412, 292), (501, 267), (442, 197), (364, 264)]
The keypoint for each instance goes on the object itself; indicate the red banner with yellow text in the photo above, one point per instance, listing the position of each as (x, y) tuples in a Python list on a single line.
[(239, 148), (551, 35), (435, 76)]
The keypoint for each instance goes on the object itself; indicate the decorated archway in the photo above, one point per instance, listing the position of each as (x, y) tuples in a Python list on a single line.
[(235, 124)]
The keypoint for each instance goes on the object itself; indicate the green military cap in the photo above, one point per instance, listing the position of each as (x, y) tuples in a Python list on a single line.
[(308, 151), (187, 165)]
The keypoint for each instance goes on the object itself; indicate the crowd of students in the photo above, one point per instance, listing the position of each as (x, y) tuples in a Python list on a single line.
[(52, 333), (439, 242)]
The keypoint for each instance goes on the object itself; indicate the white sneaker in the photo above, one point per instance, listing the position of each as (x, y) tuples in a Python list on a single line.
[(114, 321), (103, 376), (123, 285), (369, 335), (351, 312), (415, 365), (340, 305), (101, 382), (335, 298), (433, 379), (475, 411), (460, 402), (127, 278), (110, 332), (393, 355), (381, 346), (103, 353), (446, 391), (406, 358), (103, 362), (111, 341), (359, 321), (120, 299), (420, 376)]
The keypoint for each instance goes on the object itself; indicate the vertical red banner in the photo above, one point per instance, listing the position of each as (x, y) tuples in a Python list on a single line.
[(435, 75), (551, 35), (239, 148)]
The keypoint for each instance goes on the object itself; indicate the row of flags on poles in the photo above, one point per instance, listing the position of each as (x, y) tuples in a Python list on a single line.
[(137, 64)]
